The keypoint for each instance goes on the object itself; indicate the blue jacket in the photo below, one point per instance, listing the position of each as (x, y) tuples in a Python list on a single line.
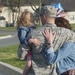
[(64, 57), (23, 34)]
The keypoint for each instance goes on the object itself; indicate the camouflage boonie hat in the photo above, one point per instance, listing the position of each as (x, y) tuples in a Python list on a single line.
[(48, 10)]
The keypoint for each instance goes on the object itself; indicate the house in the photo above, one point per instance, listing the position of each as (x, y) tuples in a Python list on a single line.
[(8, 14), (11, 9), (68, 5)]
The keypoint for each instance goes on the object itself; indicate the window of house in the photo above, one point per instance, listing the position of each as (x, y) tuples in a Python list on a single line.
[(1, 9), (71, 17)]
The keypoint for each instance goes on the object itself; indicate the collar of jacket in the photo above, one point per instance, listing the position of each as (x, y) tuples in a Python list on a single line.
[(49, 24)]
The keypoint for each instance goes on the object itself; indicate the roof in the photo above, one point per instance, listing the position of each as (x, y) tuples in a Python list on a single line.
[(68, 5)]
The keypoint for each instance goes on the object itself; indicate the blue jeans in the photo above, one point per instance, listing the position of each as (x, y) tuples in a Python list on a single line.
[(69, 72)]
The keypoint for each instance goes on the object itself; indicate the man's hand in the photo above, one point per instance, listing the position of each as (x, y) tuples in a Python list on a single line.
[(35, 41)]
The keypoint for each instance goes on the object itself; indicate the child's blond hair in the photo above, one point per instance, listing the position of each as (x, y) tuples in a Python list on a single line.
[(25, 19)]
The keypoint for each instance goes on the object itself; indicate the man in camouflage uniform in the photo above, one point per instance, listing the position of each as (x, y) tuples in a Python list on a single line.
[(39, 65)]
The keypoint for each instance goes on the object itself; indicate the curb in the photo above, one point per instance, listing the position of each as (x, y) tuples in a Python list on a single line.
[(6, 69), (4, 37)]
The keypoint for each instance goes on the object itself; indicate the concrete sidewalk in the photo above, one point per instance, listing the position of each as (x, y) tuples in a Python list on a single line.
[(6, 69)]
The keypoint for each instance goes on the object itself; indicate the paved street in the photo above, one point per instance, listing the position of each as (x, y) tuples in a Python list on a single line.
[(8, 32), (1, 73), (9, 41)]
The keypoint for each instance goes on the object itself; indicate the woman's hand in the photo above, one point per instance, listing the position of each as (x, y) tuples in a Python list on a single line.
[(49, 35), (35, 41)]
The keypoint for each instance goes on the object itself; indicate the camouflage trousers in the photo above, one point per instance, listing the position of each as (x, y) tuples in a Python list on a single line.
[(40, 70)]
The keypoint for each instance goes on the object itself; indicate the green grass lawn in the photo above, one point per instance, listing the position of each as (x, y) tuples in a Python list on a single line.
[(8, 28), (73, 26), (2, 35), (9, 55)]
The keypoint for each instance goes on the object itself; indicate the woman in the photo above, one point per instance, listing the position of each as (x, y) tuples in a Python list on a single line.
[(62, 22), (64, 56)]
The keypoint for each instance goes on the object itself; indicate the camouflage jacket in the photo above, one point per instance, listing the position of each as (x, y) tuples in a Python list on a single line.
[(39, 65)]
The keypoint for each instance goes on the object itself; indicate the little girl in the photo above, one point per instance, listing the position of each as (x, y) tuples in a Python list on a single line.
[(24, 27)]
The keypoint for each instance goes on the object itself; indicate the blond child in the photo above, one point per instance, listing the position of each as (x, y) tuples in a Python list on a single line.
[(24, 27)]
